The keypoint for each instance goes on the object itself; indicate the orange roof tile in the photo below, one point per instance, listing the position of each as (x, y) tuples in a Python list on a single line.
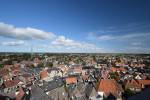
[(132, 84), (20, 94), (71, 80), (144, 82), (43, 74), (113, 69), (109, 86), (79, 69), (117, 69), (4, 72), (6, 77), (85, 77), (11, 83), (7, 66)]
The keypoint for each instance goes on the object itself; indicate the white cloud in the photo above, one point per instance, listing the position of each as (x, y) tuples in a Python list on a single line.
[(136, 43), (135, 35), (57, 43), (8, 30), (137, 49), (105, 37), (118, 37), (13, 43), (61, 40), (74, 46)]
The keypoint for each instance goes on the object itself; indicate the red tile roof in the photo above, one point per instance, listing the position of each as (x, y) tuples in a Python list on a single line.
[(78, 69), (144, 82), (85, 77), (132, 84), (4, 72), (20, 94), (7, 66), (6, 77), (11, 83), (15, 68), (43, 74), (71, 80), (114, 69), (109, 86), (16, 72)]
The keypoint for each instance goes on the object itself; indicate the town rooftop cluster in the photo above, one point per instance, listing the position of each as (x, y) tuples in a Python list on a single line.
[(25, 76)]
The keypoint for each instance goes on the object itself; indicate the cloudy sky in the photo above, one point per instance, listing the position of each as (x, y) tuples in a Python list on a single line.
[(101, 26)]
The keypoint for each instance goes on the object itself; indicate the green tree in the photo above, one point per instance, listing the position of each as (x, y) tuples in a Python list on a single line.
[(41, 65), (128, 93), (1, 66), (50, 64), (113, 75)]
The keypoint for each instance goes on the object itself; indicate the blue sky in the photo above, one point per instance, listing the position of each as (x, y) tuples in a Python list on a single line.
[(103, 26)]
